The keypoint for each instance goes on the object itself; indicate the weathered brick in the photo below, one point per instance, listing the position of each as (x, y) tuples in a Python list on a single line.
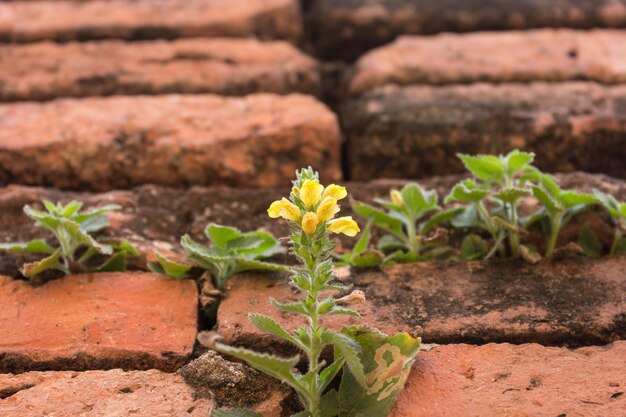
[(148, 19), (537, 55), (45, 70), (99, 394), (346, 28), (97, 321), (575, 301), (519, 381), (416, 131), (118, 142)]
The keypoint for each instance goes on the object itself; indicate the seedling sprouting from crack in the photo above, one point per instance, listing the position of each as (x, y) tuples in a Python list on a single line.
[(229, 253), (76, 247)]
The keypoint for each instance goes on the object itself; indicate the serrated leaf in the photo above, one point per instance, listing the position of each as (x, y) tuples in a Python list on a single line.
[(416, 200), (269, 325), (468, 217), (274, 366), (573, 198), (512, 194), (350, 351), (329, 406), (518, 160), (544, 198), (473, 247), (466, 192), (589, 242), (380, 218), (367, 259), (439, 218), (331, 371), (486, 167), (116, 263), (296, 307), (171, 268), (220, 235), (235, 412), (50, 262), (127, 247), (34, 246)]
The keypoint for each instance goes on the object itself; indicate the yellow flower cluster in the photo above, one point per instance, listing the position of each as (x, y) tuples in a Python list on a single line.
[(320, 208)]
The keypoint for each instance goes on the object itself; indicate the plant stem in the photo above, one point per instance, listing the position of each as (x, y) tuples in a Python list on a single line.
[(616, 238), (514, 236), (414, 245), (555, 227)]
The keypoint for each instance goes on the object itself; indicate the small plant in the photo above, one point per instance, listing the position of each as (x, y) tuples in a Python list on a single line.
[(493, 202), (311, 211), (361, 254), (617, 213), (559, 206), (412, 214), (77, 247), (230, 252)]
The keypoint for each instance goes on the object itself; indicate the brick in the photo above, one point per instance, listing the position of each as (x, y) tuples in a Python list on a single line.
[(148, 19), (97, 321), (43, 71), (575, 301), (516, 56), (99, 394), (517, 381), (344, 29), (119, 142), (416, 131)]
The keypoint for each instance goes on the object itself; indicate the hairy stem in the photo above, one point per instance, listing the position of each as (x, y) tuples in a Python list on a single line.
[(555, 227)]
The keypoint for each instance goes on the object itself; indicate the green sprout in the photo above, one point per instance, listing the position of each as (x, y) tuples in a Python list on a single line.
[(493, 202), (77, 247), (559, 206), (310, 212), (617, 213), (230, 253), (412, 214)]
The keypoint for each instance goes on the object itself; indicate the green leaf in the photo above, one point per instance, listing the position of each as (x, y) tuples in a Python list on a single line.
[(620, 249), (274, 366), (417, 201), (269, 325), (350, 351), (468, 217), (573, 198), (387, 361), (34, 246), (115, 263), (127, 247), (220, 235), (473, 247), (544, 198), (297, 307), (243, 264), (268, 246), (329, 406), (367, 259), (466, 192), (380, 219), (71, 208), (51, 262), (486, 167), (517, 160), (331, 371), (438, 219), (511, 194), (589, 242), (235, 412), (171, 268), (609, 203)]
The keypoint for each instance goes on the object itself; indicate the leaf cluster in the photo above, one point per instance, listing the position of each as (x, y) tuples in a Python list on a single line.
[(76, 247)]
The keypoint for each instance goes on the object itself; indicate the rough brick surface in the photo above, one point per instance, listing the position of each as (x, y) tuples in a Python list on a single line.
[(97, 321), (99, 394), (117, 142), (416, 131), (538, 55), (572, 301), (148, 19), (45, 70), (346, 28), (517, 381)]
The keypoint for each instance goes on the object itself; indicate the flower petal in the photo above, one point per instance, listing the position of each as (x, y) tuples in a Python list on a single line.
[(309, 223), (335, 191), (289, 211), (345, 225), (396, 198), (274, 210), (311, 192), (327, 209)]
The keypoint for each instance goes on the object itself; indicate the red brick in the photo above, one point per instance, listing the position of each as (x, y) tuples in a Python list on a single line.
[(538, 55), (99, 393), (573, 301), (118, 142), (416, 131), (516, 381), (346, 28), (148, 19), (97, 321), (45, 70)]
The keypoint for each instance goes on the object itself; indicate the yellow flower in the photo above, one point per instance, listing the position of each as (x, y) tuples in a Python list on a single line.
[(285, 209), (345, 225), (396, 198), (327, 209), (295, 191), (311, 193), (309, 223), (335, 191)]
